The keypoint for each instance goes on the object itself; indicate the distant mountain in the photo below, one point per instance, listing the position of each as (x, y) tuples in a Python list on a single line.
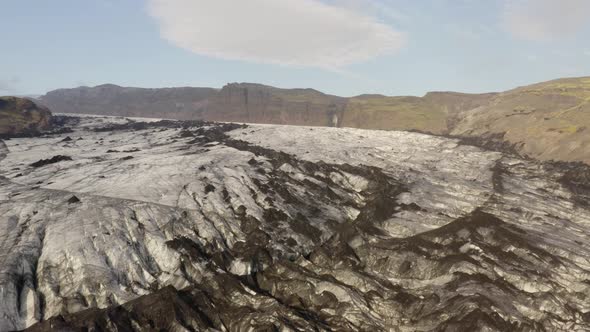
[(19, 116), (109, 99), (546, 120), (256, 103)]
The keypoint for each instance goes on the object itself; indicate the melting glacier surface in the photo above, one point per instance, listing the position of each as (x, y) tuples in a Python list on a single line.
[(126, 224)]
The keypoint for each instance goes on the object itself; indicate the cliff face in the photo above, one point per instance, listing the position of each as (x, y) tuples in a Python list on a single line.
[(21, 116), (256, 103), (109, 99)]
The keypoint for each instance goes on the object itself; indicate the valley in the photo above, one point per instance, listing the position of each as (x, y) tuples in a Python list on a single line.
[(545, 121)]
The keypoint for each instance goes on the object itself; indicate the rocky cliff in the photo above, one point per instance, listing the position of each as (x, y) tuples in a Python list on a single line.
[(110, 99), (22, 116), (257, 103)]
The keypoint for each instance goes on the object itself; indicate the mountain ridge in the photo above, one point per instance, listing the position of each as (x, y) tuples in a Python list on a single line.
[(551, 115), (272, 105)]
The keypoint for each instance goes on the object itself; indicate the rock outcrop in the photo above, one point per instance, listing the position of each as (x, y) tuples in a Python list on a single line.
[(238, 228), (19, 116)]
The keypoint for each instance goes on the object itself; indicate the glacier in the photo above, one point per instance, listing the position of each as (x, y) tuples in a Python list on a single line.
[(135, 224)]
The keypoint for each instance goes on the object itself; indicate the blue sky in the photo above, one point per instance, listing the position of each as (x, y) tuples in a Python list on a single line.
[(343, 47)]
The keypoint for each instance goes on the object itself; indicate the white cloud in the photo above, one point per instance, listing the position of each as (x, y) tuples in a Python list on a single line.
[(375, 8), (542, 20), (587, 52), (306, 33)]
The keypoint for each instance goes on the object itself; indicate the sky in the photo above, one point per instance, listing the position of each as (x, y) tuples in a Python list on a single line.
[(342, 47)]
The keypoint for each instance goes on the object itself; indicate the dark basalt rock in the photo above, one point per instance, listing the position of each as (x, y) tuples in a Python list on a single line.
[(62, 121), (123, 151), (52, 160), (490, 142), (209, 188), (186, 133), (576, 177), (73, 200), (132, 125)]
